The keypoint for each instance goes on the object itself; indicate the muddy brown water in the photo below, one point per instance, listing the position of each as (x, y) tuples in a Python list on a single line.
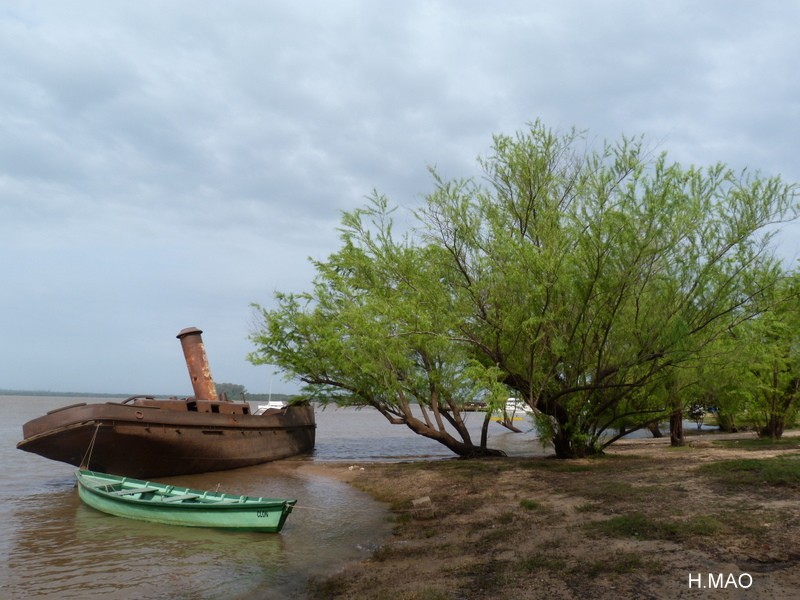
[(53, 546)]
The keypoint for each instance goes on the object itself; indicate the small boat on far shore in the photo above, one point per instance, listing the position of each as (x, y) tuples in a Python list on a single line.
[(175, 505)]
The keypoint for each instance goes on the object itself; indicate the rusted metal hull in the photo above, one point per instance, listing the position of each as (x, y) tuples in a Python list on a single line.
[(158, 438)]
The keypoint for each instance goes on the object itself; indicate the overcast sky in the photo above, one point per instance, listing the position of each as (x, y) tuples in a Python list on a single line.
[(166, 164)]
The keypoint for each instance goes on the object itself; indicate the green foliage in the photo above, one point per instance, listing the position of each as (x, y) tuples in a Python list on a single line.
[(532, 505), (775, 371), (588, 278), (377, 331), (232, 390), (754, 376), (597, 285)]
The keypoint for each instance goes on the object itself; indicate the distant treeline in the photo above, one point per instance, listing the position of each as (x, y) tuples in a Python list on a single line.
[(235, 391), (267, 397)]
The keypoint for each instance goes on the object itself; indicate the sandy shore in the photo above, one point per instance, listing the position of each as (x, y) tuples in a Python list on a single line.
[(644, 521)]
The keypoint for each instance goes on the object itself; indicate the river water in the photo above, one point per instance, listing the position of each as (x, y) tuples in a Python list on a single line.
[(53, 546)]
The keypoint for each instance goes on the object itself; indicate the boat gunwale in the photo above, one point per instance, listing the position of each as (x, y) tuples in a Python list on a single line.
[(225, 501), (93, 413)]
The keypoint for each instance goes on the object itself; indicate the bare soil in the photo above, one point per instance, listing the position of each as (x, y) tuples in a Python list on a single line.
[(643, 521)]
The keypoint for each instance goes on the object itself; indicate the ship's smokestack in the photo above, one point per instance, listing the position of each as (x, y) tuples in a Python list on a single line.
[(197, 363)]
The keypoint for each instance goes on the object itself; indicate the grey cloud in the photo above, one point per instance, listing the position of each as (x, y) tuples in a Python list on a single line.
[(165, 164)]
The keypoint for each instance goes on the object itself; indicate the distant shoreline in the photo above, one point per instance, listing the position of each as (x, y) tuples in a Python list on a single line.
[(43, 393), (61, 394)]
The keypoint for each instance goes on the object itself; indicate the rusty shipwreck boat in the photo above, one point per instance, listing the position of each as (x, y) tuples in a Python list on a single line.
[(145, 436)]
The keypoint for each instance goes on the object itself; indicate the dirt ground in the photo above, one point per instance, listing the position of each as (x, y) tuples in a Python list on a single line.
[(643, 521)]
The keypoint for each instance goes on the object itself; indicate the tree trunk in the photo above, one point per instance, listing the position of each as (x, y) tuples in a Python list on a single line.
[(485, 429), (726, 422), (568, 445), (463, 448), (774, 427), (676, 418), (676, 438), (563, 445), (654, 429)]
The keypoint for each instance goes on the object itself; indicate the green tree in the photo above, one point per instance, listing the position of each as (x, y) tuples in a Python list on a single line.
[(588, 282), (233, 391), (724, 383), (374, 332), (753, 373), (588, 277), (775, 368)]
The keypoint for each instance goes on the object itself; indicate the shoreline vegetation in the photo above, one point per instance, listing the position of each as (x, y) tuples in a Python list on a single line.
[(642, 521)]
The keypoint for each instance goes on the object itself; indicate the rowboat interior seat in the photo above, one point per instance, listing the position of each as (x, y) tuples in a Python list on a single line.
[(181, 498), (128, 492)]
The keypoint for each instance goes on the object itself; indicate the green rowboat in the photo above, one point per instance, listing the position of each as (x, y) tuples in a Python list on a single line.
[(174, 505)]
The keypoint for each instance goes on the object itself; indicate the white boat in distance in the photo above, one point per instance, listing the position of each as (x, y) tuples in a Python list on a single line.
[(513, 405), (271, 405)]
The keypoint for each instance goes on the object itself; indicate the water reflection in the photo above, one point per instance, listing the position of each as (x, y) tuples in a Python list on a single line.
[(364, 435), (61, 548), (55, 547)]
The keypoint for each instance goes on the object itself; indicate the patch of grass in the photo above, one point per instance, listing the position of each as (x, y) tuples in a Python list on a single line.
[(636, 525), (467, 504), (542, 561), (506, 518), (421, 530), (491, 538), (381, 493), (679, 488), (600, 463), (533, 505), (745, 521), (426, 594), (757, 443), (702, 525), (611, 490), (470, 467), (685, 448), (618, 563), (488, 576), (555, 465), (402, 518), (385, 553), (782, 471), (644, 527)]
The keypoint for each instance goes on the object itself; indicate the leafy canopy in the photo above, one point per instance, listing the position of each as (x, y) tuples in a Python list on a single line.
[(588, 282)]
